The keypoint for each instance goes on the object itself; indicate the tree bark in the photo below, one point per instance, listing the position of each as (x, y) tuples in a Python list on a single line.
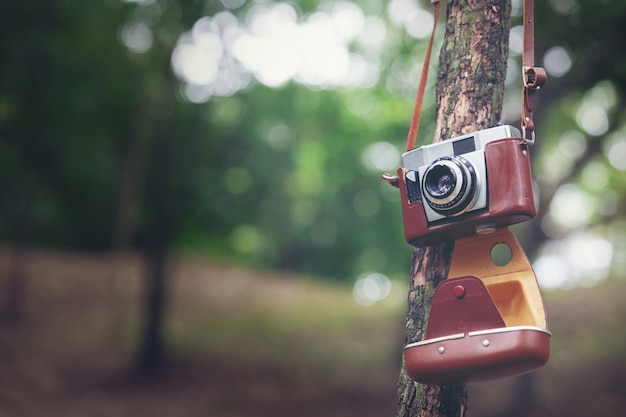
[(470, 92)]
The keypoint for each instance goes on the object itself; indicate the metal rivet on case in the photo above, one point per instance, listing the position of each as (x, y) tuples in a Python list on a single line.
[(459, 291), (485, 343), (441, 349)]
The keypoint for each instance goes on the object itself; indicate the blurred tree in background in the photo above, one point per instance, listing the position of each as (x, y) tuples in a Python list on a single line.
[(258, 130)]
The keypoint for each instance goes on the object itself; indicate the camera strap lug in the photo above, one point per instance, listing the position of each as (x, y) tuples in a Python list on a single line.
[(528, 136), (392, 180)]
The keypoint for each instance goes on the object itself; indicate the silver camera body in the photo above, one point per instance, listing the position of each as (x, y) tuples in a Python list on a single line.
[(449, 178)]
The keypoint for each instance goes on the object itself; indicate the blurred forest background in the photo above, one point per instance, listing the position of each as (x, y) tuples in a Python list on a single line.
[(192, 220)]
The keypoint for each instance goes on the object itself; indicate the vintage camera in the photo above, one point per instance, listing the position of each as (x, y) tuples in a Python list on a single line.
[(473, 183)]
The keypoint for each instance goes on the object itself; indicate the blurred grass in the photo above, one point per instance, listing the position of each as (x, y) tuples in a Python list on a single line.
[(289, 342), (283, 320)]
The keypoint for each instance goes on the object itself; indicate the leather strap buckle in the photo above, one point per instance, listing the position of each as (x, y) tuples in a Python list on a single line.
[(534, 77)]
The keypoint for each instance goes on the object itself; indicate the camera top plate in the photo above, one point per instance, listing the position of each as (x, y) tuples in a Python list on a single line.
[(459, 145)]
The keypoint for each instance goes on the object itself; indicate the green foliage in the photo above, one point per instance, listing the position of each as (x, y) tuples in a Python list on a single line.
[(276, 177)]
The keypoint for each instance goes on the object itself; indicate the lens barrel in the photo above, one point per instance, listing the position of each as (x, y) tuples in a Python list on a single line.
[(450, 185)]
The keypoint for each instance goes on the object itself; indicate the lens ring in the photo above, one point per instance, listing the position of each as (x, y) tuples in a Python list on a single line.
[(442, 181), (456, 200)]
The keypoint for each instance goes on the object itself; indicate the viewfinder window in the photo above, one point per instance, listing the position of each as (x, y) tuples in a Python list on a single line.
[(463, 146)]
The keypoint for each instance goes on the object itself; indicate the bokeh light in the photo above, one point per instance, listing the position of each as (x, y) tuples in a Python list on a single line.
[(571, 208), (137, 37), (557, 61), (381, 156), (371, 288), (582, 258), (275, 45)]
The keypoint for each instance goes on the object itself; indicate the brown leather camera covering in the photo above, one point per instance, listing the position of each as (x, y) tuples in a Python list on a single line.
[(507, 353), (468, 309), (482, 328), (513, 287), (509, 195)]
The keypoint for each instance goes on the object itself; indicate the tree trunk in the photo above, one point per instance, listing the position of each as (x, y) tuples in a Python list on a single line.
[(161, 221), (16, 285), (19, 256), (470, 92), (151, 351)]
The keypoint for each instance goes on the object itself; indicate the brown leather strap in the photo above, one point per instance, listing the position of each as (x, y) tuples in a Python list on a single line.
[(417, 110), (533, 77)]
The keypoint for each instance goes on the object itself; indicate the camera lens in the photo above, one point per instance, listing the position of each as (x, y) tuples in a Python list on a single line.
[(450, 185), (440, 181)]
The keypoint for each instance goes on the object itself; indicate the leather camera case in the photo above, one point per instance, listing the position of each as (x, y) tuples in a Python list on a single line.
[(510, 198), (468, 341), (487, 323)]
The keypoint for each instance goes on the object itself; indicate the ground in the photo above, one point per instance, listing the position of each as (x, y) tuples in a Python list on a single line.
[(243, 342), (239, 343)]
